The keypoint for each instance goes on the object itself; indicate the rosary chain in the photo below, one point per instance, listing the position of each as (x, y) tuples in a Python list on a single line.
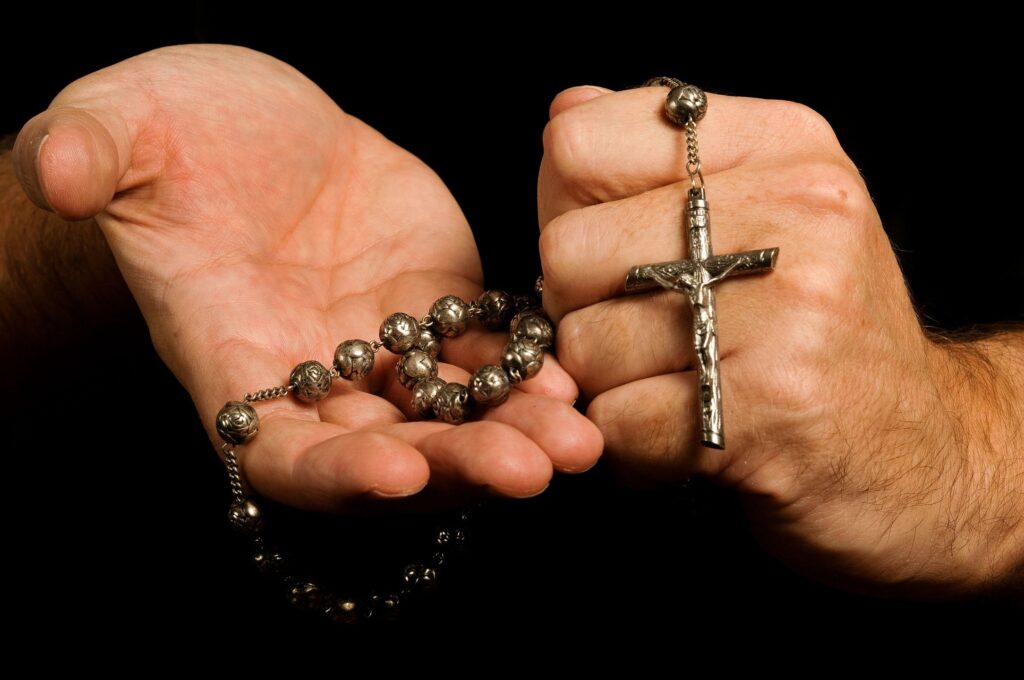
[(234, 476), (693, 167), (269, 393)]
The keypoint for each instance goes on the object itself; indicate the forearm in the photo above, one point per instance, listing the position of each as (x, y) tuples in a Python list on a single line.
[(58, 280), (984, 395)]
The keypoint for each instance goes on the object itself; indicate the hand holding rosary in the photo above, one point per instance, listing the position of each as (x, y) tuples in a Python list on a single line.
[(418, 344)]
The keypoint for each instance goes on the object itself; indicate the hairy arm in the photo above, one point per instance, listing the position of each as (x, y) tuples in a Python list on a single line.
[(984, 395), (59, 283)]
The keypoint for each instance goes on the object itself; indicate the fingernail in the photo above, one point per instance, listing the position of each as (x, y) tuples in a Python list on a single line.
[(536, 493), (28, 173)]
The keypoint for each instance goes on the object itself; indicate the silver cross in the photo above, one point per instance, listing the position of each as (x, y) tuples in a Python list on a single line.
[(695, 277)]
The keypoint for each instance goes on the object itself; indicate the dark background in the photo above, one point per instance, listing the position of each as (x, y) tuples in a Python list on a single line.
[(121, 502)]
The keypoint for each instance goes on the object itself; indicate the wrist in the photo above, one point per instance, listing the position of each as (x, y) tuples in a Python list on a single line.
[(976, 392)]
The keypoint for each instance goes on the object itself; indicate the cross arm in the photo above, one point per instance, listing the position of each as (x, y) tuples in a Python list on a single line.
[(750, 262), (681, 273)]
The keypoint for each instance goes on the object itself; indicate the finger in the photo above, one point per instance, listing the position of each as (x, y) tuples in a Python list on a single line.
[(621, 144), (586, 253), (570, 441), (321, 466), (473, 350), (71, 158), (649, 428), (479, 454), (574, 96)]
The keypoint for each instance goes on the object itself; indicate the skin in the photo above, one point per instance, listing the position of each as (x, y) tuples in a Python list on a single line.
[(257, 226), (867, 453)]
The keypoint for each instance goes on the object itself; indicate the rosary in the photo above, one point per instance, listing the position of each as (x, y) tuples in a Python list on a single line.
[(418, 343)]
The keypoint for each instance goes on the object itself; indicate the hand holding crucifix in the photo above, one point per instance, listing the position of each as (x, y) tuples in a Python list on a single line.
[(841, 407)]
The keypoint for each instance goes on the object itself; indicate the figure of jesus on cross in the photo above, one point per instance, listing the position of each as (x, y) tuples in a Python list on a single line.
[(695, 277)]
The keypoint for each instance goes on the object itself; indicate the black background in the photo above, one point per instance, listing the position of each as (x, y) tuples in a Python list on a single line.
[(120, 507)]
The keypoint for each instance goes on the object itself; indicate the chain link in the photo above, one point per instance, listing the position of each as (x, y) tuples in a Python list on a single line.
[(234, 476), (269, 393), (693, 167)]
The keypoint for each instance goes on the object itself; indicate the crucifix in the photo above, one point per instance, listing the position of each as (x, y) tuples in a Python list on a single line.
[(695, 277)]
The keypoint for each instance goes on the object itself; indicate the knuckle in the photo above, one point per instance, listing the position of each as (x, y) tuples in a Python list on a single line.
[(556, 249), (819, 286), (569, 345), (584, 336), (833, 189), (568, 140), (641, 441), (795, 388), (805, 124)]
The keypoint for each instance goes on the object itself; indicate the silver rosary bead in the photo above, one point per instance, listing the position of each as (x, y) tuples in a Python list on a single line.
[(521, 303), (685, 103), (490, 385), (530, 325), (244, 516), (343, 610), (522, 360), (398, 333), (420, 577), (496, 307), (452, 403), (413, 366), (428, 341), (310, 381), (305, 595), (237, 422), (423, 395), (450, 314), (353, 359)]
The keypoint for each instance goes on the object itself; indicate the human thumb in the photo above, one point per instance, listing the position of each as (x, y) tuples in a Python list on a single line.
[(70, 159)]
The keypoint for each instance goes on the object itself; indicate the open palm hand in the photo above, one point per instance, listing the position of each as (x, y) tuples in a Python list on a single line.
[(258, 226)]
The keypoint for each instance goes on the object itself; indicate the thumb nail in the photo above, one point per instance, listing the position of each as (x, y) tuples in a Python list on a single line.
[(27, 151)]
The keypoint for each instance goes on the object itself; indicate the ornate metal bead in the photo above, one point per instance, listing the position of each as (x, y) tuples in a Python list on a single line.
[(398, 333), (383, 607), (237, 422), (415, 365), (452, 403), (530, 325), (451, 314), (305, 595), (451, 538), (429, 342), (521, 302), (353, 359), (310, 381), (496, 307), (423, 395), (420, 577), (684, 102), (490, 385), (343, 610), (269, 563), (245, 517), (522, 360)]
